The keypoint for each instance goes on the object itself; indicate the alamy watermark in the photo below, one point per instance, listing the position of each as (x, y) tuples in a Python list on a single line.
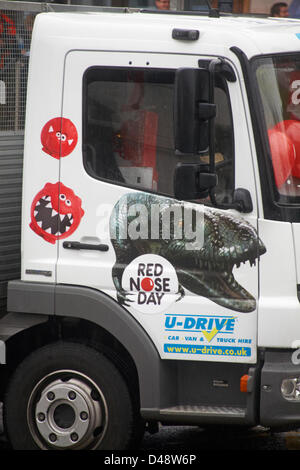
[(159, 222)]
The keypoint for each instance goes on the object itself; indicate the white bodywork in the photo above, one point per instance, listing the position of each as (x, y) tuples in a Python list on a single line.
[(63, 47)]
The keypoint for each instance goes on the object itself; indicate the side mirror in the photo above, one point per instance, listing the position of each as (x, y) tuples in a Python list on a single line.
[(192, 110), (242, 200), (192, 182)]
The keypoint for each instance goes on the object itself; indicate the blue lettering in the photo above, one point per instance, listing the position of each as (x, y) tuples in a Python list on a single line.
[(230, 324), (220, 323), (201, 322), (189, 322), (170, 322)]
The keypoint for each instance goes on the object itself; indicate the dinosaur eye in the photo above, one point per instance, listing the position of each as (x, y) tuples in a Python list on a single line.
[(58, 135), (62, 197), (68, 203), (63, 137)]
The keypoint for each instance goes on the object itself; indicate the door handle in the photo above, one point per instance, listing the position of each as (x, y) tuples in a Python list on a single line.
[(85, 246)]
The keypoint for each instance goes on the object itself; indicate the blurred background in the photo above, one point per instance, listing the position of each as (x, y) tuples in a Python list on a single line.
[(261, 7)]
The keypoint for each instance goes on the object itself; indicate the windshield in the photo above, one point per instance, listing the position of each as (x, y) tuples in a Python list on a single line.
[(278, 81)]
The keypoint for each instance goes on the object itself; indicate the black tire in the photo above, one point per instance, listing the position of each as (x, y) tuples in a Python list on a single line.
[(100, 392)]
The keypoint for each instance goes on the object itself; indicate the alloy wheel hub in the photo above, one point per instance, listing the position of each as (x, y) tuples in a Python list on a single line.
[(67, 411)]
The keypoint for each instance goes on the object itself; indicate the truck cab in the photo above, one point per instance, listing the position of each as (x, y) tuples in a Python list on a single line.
[(160, 221)]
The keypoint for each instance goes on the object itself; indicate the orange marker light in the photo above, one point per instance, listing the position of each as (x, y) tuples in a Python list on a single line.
[(244, 383)]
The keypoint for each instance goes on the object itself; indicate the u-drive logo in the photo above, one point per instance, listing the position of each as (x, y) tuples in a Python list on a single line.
[(208, 325)]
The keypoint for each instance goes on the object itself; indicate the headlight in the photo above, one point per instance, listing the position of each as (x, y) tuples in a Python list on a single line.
[(290, 389)]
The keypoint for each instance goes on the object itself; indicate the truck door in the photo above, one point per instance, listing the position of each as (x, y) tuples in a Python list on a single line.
[(186, 271)]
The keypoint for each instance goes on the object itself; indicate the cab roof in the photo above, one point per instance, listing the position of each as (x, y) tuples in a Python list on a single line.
[(152, 31)]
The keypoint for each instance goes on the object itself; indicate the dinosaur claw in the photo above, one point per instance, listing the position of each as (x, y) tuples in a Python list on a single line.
[(180, 292), (123, 299)]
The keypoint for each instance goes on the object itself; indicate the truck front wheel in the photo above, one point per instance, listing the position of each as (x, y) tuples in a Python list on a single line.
[(68, 396)]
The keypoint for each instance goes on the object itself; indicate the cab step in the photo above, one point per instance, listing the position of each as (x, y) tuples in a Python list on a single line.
[(188, 410), (198, 414)]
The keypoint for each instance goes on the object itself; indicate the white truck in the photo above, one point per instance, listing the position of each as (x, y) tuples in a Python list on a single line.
[(160, 240)]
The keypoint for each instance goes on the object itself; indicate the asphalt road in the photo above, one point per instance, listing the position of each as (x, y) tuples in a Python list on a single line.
[(186, 439), (179, 440)]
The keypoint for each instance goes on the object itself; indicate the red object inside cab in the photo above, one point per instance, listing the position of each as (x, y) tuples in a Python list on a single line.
[(284, 139), (139, 141), (283, 155), (292, 130)]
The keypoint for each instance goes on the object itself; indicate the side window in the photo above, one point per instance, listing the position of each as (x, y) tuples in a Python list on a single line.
[(128, 130)]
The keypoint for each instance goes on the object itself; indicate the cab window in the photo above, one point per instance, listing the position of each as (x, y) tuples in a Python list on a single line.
[(278, 80), (128, 130)]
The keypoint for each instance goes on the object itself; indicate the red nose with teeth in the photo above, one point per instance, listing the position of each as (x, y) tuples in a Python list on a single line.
[(55, 212)]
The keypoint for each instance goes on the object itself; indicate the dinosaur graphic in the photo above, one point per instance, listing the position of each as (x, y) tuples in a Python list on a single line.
[(205, 270)]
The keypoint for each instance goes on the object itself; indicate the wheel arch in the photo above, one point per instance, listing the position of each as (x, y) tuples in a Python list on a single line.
[(73, 310)]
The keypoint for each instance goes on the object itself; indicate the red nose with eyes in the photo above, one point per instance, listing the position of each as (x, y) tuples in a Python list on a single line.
[(59, 137)]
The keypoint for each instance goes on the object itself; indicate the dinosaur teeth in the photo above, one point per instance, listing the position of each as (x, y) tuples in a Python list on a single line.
[(223, 266)]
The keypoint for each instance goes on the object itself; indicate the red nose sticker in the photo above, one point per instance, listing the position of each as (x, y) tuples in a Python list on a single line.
[(59, 137), (147, 284), (55, 212)]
